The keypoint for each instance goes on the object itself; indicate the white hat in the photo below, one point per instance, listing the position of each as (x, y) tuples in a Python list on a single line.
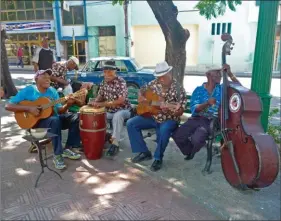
[(162, 69), (75, 60)]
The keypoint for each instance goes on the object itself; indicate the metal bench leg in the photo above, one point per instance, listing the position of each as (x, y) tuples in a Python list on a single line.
[(207, 169)]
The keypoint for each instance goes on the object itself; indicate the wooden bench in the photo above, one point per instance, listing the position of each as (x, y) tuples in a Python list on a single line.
[(133, 97)]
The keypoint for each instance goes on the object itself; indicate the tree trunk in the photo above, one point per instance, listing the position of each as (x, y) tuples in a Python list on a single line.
[(6, 79), (175, 35)]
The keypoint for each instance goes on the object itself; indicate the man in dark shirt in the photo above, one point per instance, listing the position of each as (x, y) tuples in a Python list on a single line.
[(44, 57)]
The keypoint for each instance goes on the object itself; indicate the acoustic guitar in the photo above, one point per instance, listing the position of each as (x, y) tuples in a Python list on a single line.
[(152, 104), (26, 120)]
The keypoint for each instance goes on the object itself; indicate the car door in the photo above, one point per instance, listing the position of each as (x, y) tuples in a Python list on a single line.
[(129, 75)]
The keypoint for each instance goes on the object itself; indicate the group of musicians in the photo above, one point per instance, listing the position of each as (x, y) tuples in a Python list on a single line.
[(113, 95)]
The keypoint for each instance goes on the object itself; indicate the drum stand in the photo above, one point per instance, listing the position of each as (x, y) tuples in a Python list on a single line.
[(36, 142)]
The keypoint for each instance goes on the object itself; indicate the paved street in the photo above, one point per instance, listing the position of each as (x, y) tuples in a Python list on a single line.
[(190, 82)]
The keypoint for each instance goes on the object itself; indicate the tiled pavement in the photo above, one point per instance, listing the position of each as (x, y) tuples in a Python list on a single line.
[(117, 189), (90, 190)]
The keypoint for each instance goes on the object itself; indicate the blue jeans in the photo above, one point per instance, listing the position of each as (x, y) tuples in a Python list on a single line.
[(164, 131), (68, 121)]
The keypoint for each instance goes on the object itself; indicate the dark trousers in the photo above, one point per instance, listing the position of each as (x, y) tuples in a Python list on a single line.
[(192, 135), (68, 121), (20, 62)]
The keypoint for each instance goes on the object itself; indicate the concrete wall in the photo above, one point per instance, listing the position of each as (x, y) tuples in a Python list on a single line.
[(105, 14), (149, 45), (208, 47)]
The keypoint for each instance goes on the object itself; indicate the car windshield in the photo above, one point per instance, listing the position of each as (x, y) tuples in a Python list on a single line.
[(136, 65)]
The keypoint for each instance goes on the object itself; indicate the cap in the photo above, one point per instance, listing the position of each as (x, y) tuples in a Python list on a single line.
[(40, 72), (75, 60)]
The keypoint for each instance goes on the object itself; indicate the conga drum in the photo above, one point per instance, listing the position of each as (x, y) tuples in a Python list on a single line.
[(92, 131)]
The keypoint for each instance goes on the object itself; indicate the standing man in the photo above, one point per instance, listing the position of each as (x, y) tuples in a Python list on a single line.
[(44, 56), (204, 104), (165, 122), (20, 57), (113, 95)]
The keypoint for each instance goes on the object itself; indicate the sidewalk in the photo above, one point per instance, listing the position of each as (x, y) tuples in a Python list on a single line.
[(90, 190), (117, 189)]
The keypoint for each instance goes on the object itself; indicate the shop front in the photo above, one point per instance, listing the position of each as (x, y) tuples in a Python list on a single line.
[(27, 35)]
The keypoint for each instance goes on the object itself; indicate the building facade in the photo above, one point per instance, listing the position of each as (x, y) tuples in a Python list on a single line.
[(106, 29), (71, 22), (98, 28), (26, 23), (204, 46)]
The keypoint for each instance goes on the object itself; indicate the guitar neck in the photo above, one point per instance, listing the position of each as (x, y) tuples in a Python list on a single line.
[(63, 99), (53, 103)]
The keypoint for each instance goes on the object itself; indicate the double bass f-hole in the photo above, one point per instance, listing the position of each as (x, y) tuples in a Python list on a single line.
[(243, 138)]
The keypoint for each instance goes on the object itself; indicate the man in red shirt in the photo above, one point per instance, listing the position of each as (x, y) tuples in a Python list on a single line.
[(20, 56)]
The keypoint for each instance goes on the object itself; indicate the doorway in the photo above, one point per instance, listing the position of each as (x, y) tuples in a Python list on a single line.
[(79, 52)]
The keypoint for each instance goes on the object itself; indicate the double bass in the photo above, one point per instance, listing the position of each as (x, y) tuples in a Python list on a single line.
[(249, 156)]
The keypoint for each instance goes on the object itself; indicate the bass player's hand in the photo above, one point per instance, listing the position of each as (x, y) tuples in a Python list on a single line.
[(35, 111)]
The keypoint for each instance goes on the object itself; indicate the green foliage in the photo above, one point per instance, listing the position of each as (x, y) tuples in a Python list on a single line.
[(214, 8), (274, 130), (114, 2)]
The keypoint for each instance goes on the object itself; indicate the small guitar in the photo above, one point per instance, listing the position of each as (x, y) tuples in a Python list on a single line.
[(152, 104), (26, 120)]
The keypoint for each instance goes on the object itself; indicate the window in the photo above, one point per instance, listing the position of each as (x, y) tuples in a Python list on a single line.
[(107, 31), (75, 16), (20, 10), (218, 28), (21, 15), (90, 66), (39, 14), (121, 66)]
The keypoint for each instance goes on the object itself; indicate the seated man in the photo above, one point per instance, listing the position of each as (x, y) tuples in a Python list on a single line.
[(59, 72), (113, 95), (204, 105), (165, 122), (59, 121)]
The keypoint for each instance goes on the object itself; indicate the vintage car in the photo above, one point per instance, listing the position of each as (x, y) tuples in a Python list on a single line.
[(127, 68)]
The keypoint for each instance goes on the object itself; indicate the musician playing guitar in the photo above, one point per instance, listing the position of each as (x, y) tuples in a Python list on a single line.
[(204, 104), (165, 122), (59, 121)]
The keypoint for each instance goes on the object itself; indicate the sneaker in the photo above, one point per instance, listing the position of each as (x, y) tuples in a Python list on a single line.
[(70, 154), (59, 163)]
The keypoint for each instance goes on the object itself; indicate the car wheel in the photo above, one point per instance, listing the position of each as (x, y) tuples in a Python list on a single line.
[(132, 85)]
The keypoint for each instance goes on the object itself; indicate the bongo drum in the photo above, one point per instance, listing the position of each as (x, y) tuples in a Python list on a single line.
[(92, 127)]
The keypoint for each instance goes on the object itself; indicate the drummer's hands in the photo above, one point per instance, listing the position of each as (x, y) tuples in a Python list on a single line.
[(96, 104)]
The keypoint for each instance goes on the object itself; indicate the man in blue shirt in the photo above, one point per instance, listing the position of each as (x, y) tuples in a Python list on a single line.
[(204, 104), (59, 121)]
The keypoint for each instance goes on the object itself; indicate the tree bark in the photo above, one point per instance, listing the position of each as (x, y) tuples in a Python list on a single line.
[(6, 79), (175, 35)]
